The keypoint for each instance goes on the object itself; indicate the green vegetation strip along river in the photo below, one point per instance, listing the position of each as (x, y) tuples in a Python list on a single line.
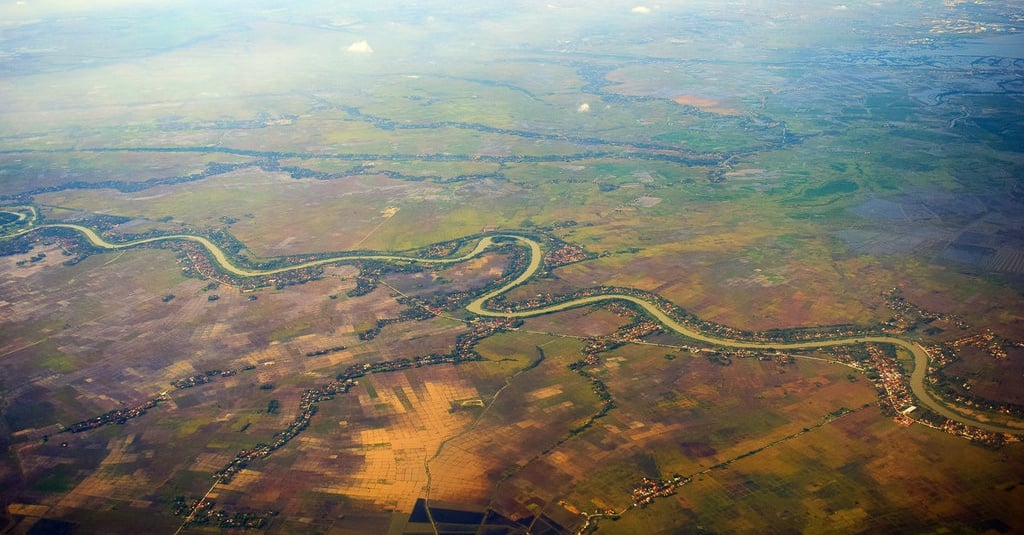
[(478, 307)]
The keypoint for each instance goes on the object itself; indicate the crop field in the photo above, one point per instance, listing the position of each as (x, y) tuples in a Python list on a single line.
[(742, 268)]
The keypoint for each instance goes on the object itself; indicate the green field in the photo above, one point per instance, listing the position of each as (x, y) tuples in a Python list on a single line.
[(765, 168)]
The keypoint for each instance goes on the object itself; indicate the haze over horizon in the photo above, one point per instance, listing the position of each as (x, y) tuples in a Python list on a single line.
[(546, 267)]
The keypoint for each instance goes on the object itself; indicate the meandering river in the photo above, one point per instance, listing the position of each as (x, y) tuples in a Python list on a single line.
[(478, 306)]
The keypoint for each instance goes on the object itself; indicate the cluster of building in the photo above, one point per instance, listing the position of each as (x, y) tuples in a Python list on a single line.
[(909, 315), (70, 247), (441, 250), (191, 381), (650, 489), (802, 334), (236, 520), (940, 356), (590, 350), (635, 332), (347, 379), (311, 396), (206, 377), (122, 415), (440, 302), (959, 388), (890, 379), (944, 354), (680, 315), (988, 438), (479, 329), (196, 261), (810, 333), (964, 397), (544, 299), (987, 341), (416, 311), (844, 355), (203, 512), (261, 450), (519, 259), (565, 253), (116, 416)]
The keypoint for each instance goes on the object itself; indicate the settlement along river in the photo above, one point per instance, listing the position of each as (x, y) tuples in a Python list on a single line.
[(478, 306)]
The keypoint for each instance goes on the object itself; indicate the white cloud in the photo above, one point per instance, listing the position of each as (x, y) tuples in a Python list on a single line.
[(643, 10), (360, 47), (840, 7), (584, 108)]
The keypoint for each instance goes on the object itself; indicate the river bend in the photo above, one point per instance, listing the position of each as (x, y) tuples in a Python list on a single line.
[(478, 305)]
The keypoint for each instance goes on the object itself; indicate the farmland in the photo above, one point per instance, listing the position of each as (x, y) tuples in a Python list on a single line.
[(462, 268)]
